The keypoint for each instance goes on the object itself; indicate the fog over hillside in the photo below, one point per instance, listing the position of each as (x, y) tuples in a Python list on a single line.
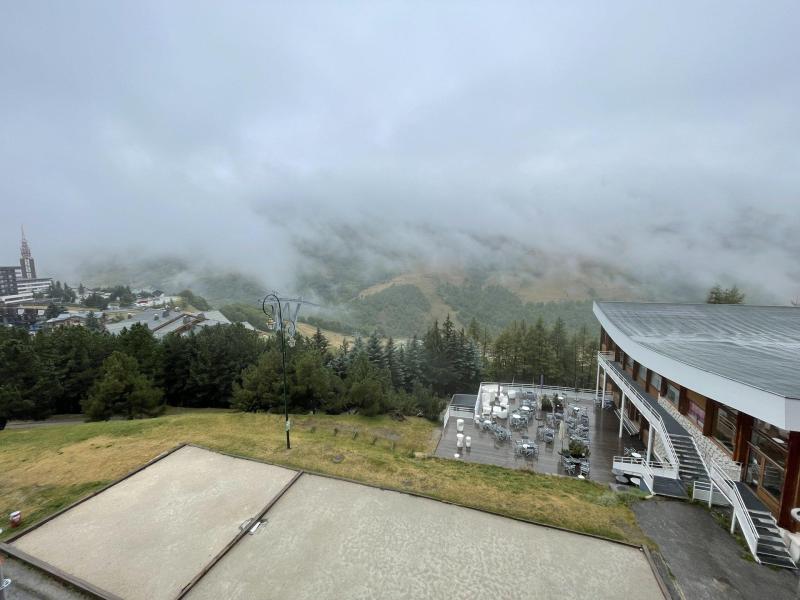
[(652, 146)]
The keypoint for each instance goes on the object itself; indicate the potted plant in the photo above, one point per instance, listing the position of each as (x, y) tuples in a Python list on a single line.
[(578, 449)]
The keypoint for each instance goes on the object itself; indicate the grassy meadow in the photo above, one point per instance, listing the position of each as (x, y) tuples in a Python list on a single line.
[(46, 468)]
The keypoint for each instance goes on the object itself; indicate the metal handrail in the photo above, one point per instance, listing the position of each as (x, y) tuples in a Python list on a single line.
[(648, 476), (745, 520), (536, 386), (652, 465), (604, 357), (630, 460)]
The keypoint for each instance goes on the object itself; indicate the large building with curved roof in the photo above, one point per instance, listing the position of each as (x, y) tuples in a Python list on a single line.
[(714, 390)]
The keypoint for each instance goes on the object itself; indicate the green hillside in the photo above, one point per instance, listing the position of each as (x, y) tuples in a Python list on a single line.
[(356, 296)]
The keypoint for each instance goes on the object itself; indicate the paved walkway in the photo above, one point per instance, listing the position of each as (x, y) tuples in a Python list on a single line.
[(705, 561)]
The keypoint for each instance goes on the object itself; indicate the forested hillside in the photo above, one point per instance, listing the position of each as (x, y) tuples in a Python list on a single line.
[(359, 296), (497, 307)]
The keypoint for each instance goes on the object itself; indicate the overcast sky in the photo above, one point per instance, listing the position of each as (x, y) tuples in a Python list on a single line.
[(664, 134)]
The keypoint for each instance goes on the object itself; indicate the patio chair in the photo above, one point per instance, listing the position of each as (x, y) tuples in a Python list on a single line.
[(569, 466), (502, 434), (531, 450), (585, 468)]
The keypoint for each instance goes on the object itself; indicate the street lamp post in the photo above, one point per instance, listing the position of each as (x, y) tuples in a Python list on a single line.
[(282, 317)]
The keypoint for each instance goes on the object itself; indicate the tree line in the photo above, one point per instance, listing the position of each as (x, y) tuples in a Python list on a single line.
[(134, 374), (535, 353)]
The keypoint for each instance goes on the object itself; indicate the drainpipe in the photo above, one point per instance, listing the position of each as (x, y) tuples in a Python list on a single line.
[(621, 414), (649, 441)]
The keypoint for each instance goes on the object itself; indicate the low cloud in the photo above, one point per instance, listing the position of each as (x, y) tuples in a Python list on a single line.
[(662, 140)]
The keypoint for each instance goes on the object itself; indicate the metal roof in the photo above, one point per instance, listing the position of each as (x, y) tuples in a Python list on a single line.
[(164, 321), (758, 346)]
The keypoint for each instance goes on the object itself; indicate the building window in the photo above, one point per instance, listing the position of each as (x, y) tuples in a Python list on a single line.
[(770, 440), (628, 362), (655, 380), (673, 394), (724, 430), (642, 375), (697, 413), (766, 461)]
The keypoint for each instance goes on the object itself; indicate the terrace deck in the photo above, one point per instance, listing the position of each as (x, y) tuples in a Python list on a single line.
[(605, 444)]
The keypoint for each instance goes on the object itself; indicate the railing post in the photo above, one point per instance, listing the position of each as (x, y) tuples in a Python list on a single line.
[(603, 393), (711, 492), (733, 521), (649, 441), (597, 383), (622, 415)]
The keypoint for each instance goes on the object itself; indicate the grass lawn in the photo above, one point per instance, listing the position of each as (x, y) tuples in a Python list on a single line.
[(45, 468)]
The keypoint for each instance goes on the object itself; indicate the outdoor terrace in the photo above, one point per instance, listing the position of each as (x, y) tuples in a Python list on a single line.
[(604, 441)]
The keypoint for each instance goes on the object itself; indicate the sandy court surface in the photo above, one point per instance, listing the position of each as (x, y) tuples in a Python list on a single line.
[(333, 539), (149, 535)]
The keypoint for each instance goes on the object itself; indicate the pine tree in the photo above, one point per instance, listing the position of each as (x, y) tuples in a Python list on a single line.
[(390, 361), (474, 330), (320, 342), (558, 343), (92, 322), (357, 350), (400, 366), (375, 350), (122, 390), (341, 359)]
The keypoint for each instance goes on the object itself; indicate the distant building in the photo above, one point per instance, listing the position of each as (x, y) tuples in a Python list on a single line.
[(8, 281), (165, 321), (19, 284), (32, 286), (71, 319), (21, 316), (26, 262)]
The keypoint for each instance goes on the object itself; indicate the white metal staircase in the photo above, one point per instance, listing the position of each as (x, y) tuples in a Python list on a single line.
[(606, 360), (758, 526)]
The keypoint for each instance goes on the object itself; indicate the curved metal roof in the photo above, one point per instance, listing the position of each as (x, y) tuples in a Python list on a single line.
[(758, 346)]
